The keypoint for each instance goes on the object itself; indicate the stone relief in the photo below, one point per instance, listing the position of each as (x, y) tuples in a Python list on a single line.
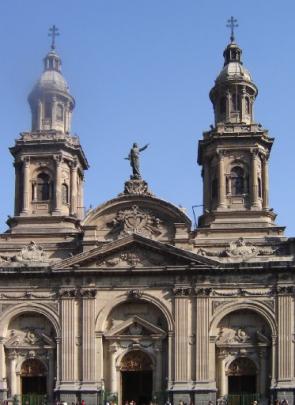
[(132, 258), (136, 187), (241, 336), (29, 254), (28, 337), (135, 220), (240, 249)]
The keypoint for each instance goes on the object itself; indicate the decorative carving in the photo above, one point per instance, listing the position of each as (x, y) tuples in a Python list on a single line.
[(133, 258), (233, 336), (242, 366), (182, 291), (136, 187), (203, 292), (32, 253), (135, 220), (77, 293), (134, 294), (135, 329), (136, 360), (28, 338), (32, 368), (240, 248), (216, 304)]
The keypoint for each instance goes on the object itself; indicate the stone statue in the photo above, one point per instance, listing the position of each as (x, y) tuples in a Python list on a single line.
[(133, 157)]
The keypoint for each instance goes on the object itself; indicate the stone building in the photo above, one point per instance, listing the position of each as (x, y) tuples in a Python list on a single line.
[(129, 301)]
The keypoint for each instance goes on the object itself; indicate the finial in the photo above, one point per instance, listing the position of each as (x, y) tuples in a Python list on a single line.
[(232, 24), (53, 32)]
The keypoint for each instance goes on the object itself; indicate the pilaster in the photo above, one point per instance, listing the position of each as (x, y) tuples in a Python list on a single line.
[(57, 185), (26, 186), (285, 344), (221, 180), (254, 179), (265, 190), (74, 169)]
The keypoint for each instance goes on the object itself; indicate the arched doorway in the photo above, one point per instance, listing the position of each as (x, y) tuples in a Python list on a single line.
[(136, 377), (243, 357), (242, 377), (33, 377)]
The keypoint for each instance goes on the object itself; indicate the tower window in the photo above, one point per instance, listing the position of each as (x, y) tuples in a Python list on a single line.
[(43, 187), (235, 102), (214, 190), (59, 112), (247, 105), (259, 188), (47, 110), (237, 181), (65, 193), (222, 105)]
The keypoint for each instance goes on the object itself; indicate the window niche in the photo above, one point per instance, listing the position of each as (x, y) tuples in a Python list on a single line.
[(237, 181), (65, 193), (42, 187), (59, 112)]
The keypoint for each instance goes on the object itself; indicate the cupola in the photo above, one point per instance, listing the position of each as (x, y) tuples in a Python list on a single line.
[(50, 100)]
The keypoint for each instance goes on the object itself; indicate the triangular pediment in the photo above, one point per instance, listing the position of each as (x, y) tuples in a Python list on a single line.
[(134, 251), (135, 327)]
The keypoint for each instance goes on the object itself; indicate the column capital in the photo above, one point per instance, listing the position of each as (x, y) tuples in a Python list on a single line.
[(73, 164), (58, 159), (25, 160)]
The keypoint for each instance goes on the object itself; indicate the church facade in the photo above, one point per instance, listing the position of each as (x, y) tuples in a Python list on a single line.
[(130, 302)]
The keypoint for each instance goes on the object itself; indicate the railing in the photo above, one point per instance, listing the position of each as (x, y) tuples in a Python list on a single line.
[(243, 398), (30, 399)]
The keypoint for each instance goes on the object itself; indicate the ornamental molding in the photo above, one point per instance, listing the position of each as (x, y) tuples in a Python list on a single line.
[(77, 293), (136, 187)]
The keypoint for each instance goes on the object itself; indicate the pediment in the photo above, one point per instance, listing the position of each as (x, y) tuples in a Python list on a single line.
[(134, 251), (135, 327), (28, 338)]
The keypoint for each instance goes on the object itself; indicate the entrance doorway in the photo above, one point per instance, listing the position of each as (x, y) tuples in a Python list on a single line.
[(33, 382), (136, 377), (137, 386), (242, 382)]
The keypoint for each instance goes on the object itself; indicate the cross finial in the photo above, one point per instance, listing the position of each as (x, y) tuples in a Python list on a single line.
[(232, 24), (53, 33)]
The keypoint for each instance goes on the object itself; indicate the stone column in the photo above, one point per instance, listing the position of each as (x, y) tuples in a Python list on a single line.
[(68, 341), (285, 344), (254, 179), (3, 383), (26, 186), (99, 359), (13, 382), (202, 338), (228, 105), (88, 336), (263, 370), (158, 370), (113, 370), (74, 181), (39, 122), (53, 112), (17, 196), (181, 335), (206, 185), (223, 389), (265, 182), (170, 357), (57, 185), (58, 361), (50, 376), (221, 180)]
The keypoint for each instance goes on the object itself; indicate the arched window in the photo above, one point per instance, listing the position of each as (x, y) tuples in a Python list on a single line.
[(59, 112), (43, 187), (65, 193), (247, 105), (214, 190), (236, 102), (222, 106), (237, 181), (259, 188), (47, 109)]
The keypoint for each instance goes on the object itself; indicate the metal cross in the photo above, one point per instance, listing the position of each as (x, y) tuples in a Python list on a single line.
[(232, 24), (53, 32)]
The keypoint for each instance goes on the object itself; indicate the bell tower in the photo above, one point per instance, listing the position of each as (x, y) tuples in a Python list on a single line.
[(49, 162), (234, 157)]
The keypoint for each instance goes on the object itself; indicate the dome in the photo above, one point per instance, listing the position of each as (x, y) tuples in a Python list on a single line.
[(52, 80), (234, 70)]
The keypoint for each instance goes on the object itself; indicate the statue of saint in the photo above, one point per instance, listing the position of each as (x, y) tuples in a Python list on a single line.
[(133, 157)]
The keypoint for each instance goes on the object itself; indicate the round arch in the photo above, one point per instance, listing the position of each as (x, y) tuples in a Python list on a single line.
[(120, 357), (35, 357), (257, 307), (103, 315), (19, 309)]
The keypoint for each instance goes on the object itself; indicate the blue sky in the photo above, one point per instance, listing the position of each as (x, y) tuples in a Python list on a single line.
[(141, 70)]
